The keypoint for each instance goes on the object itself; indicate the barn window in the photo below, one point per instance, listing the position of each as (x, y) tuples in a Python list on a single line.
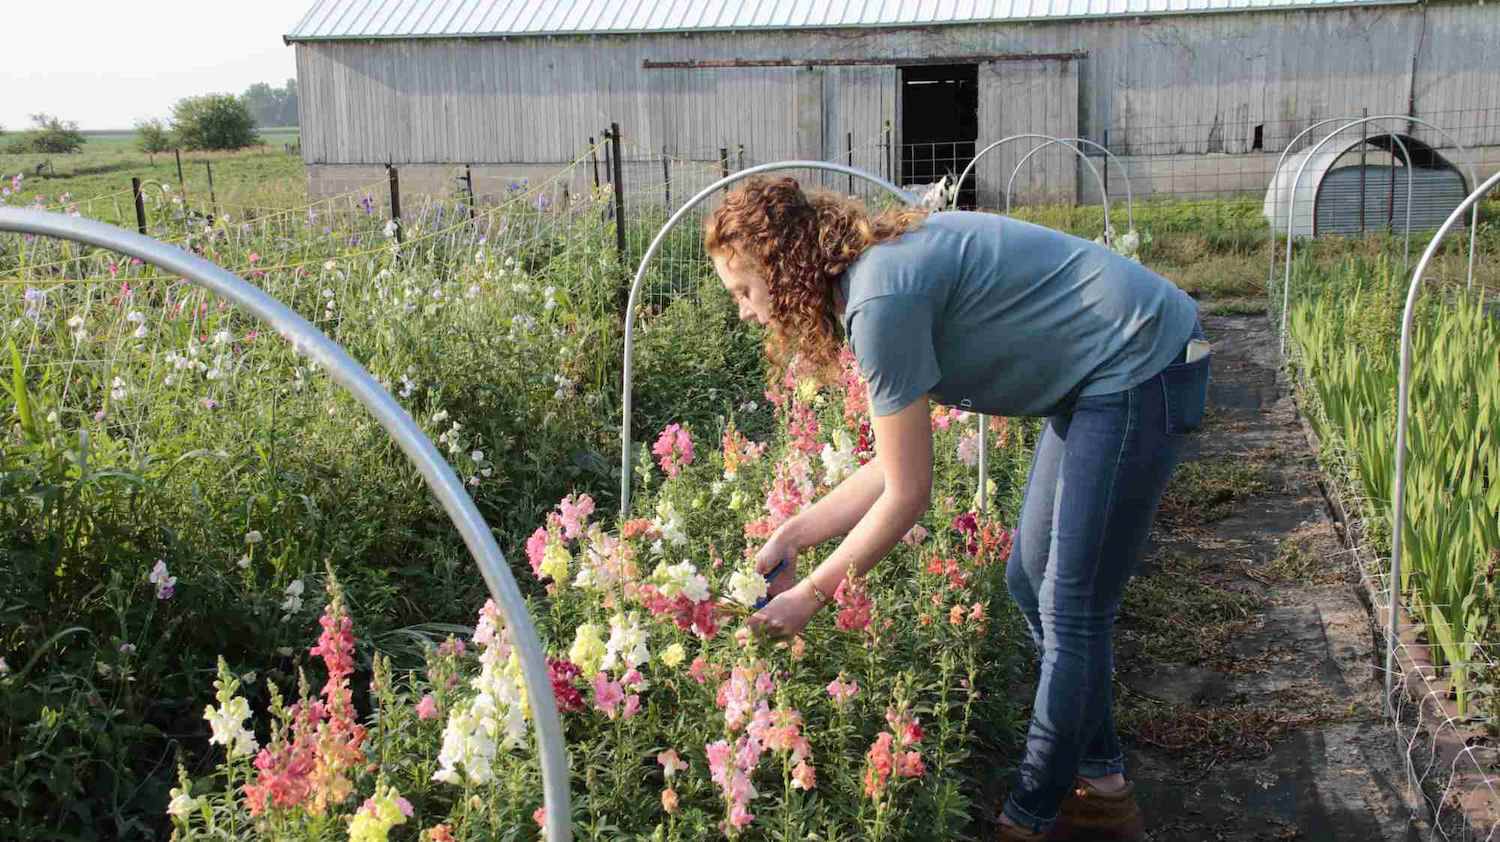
[(939, 121), (1260, 137)]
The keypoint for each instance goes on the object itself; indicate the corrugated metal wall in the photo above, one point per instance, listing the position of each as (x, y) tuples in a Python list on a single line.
[(1187, 84), (1434, 195)]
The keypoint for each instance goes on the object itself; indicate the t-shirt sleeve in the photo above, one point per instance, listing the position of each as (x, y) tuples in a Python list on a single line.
[(893, 343)]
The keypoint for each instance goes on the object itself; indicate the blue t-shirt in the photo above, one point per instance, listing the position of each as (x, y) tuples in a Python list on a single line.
[(1000, 316)]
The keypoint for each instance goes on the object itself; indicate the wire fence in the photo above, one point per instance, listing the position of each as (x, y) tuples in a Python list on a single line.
[(1214, 160), (108, 327), (1449, 756)]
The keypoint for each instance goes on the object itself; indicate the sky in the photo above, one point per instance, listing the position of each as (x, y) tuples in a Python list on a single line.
[(106, 64)]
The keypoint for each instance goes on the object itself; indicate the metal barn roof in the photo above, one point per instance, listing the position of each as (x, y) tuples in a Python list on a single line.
[(365, 19)]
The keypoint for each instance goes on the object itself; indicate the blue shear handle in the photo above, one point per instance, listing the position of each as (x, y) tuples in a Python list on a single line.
[(770, 577)]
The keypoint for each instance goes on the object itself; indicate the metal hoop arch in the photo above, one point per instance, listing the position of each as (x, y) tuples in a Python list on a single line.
[(1286, 281), (441, 480), (1271, 267), (1403, 400), (1406, 252), (656, 243), (1073, 141)]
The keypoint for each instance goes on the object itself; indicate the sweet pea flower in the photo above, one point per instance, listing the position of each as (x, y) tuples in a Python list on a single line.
[(165, 583)]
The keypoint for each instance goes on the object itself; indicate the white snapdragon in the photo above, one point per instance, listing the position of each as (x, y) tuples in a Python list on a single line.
[(838, 458), (681, 578), (747, 587), (227, 721), (669, 523), (627, 643), (494, 718)]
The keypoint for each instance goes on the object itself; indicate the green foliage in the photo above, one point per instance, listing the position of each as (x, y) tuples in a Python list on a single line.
[(154, 136), (49, 136), (270, 106), (1346, 328), (213, 121)]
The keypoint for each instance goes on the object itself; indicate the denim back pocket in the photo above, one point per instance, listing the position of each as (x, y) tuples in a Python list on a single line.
[(1185, 389)]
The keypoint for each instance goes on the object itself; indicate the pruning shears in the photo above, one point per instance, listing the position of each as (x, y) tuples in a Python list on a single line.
[(770, 577)]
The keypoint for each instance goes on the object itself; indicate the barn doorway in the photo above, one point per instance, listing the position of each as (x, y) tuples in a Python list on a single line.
[(939, 123)]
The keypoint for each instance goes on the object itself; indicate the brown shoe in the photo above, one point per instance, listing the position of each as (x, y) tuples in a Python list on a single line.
[(1011, 833), (1088, 815)]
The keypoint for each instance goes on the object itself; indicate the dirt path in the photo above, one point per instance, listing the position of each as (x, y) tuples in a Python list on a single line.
[(1246, 687)]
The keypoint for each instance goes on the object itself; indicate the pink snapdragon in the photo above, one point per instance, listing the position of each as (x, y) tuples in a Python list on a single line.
[(968, 449), (427, 708), (573, 514), (310, 766), (855, 605), (536, 548), (607, 694), (674, 449), (856, 396), (802, 426), (842, 691)]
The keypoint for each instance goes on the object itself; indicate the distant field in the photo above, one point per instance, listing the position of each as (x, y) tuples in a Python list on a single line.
[(260, 177)]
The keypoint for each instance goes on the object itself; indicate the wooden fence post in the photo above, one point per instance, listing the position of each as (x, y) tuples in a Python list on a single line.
[(618, 184), (140, 205), (394, 177)]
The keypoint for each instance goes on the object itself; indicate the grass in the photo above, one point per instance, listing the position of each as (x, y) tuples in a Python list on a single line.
[(1204, 491), (261, 177), (1171, 616)]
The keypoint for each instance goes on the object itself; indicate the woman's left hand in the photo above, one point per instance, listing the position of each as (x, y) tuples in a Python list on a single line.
[(787, 614)]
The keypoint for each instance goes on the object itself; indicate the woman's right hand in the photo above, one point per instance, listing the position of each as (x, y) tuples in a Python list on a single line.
[(781, 545)]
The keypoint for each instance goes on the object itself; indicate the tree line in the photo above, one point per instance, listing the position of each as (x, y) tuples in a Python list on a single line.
[(210, 121)]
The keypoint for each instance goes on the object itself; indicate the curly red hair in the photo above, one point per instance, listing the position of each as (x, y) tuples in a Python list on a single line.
[(802, 242)]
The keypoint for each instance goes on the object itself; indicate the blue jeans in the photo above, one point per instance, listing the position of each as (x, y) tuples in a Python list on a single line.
[(1097, 476)]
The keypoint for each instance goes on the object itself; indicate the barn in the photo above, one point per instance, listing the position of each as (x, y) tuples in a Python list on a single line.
[(1195, 97)]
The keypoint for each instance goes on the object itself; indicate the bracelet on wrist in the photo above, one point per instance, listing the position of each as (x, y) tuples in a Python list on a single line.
[(818, 594)]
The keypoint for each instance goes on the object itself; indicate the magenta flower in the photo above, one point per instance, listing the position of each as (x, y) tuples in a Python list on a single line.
[(561, 673)]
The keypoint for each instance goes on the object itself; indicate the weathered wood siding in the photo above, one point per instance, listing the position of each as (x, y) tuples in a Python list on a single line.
[(1159, 86)]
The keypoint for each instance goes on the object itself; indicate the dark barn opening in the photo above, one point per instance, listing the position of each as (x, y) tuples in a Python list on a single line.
[(939, 123)]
